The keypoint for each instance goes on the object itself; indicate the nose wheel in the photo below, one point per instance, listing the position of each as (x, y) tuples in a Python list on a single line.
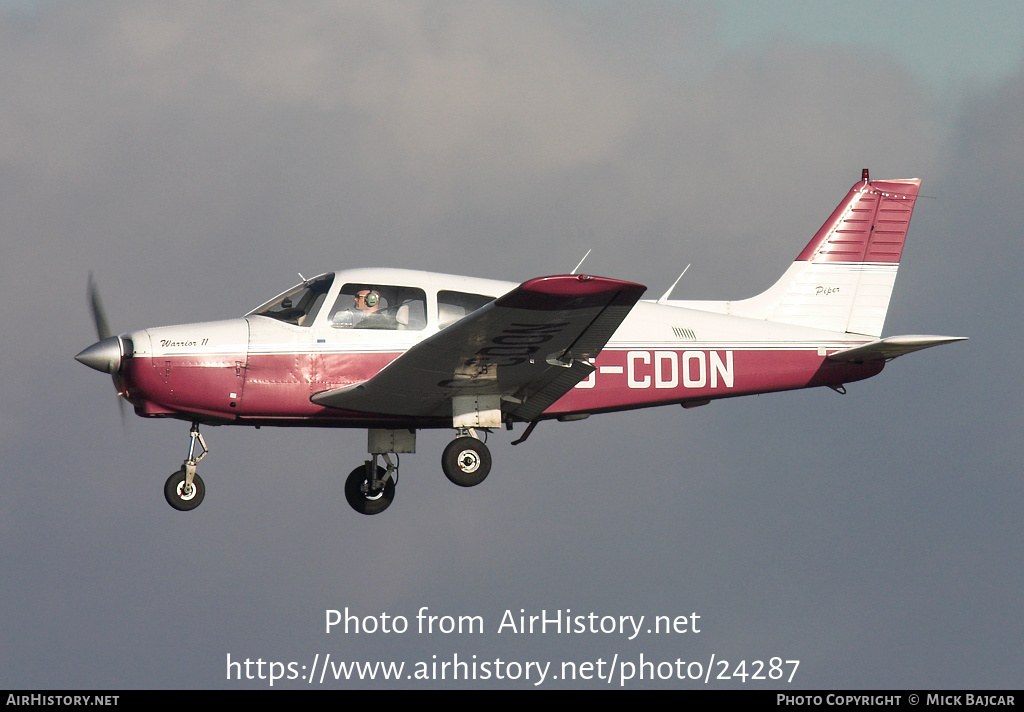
[(185, 490), (182, 495), (466, 461)]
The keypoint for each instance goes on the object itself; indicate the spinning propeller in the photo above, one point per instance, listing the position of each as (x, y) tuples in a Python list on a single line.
[(109, 352)]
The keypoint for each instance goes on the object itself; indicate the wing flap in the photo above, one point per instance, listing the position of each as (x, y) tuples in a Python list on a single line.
[(891, 347), (529, 347)]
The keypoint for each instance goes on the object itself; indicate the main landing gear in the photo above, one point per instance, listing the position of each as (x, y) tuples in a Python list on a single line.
[(466, 460), (184, 490), (370, 488)]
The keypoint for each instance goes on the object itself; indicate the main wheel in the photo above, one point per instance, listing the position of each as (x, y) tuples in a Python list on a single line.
[(181, 498), (371, 502), (466, 461)]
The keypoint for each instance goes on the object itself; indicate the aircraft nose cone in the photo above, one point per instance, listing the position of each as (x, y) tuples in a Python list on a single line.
[(103, 356)]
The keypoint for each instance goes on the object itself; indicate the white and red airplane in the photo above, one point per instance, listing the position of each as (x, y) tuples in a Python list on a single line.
[(395, 351)]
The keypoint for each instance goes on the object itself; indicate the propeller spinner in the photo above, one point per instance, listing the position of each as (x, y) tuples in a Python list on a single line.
[(104, 355)]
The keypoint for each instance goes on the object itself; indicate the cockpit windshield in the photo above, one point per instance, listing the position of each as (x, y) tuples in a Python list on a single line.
[(300, 304)]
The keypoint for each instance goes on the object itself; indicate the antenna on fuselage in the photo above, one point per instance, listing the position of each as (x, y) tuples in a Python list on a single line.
[(581, 262), (664, 297), (302, 278)]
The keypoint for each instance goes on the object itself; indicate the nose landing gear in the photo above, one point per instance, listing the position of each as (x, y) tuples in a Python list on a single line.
[(185, 490)]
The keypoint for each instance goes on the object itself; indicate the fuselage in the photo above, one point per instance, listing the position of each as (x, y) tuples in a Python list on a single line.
[(262, 369)]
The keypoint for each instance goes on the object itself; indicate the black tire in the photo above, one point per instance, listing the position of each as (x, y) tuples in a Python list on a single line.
[(361, 502), (466, 461), (186, 502)]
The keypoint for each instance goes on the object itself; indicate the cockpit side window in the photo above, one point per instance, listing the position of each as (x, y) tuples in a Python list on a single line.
[(379, 306), (299, 305), (452, 306)]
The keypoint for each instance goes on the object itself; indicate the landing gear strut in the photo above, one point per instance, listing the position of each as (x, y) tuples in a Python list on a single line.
[(370, 488), (185, 490), (466, 460)]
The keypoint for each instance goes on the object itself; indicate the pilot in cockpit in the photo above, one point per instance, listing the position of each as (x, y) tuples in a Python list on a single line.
[(365, 313), (367, 301)]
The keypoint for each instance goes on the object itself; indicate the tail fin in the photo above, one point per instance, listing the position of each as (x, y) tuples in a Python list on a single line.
[(843, 279)]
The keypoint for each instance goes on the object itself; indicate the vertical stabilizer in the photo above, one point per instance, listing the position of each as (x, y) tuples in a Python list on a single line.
[(843, 278)]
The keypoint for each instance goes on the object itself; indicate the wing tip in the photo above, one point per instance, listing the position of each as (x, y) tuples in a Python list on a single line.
[(572, 291)]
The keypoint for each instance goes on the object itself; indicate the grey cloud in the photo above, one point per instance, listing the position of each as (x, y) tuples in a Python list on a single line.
[(197, 156)]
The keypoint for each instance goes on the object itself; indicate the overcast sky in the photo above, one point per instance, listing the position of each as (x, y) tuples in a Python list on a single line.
[(196, 156)]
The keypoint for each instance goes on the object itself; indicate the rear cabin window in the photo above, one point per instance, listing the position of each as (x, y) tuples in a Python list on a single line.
[(452, 306), (379, 306)]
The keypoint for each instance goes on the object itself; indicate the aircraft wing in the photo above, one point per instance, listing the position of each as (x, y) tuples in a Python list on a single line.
[(529, 347), (891, 347)]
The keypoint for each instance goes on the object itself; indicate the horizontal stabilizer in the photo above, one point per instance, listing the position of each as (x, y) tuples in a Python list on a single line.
[(891, 347)]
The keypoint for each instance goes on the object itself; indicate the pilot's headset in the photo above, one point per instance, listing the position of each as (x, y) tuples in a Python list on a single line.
[(372, 299)]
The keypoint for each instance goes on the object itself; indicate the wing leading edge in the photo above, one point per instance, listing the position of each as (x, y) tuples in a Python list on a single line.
[(528, 348)]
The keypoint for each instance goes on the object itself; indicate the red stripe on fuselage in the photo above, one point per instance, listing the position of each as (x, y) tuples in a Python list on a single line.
[(645, 376), (280, 385), (275, 389), (267, 387)]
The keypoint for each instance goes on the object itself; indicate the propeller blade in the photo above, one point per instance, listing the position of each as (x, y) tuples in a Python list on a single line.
[(101, 355), (120, 407), (98, 315)]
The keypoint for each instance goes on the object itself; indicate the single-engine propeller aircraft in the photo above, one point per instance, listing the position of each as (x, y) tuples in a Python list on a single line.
[(395, 351)]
